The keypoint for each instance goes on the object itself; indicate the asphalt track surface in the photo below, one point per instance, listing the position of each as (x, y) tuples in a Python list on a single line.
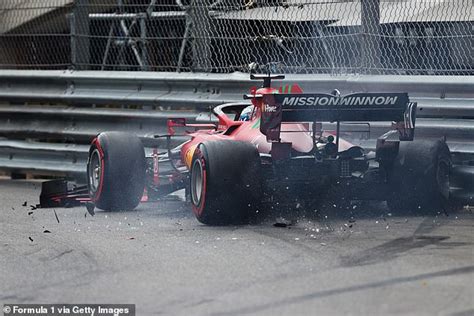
[(161, 259)]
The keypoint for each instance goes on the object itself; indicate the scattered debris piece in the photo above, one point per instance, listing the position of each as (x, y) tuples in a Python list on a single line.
[(46, 231), (131, 238), (33, 207), (31, 239), (29, 213), (56, 215), (282, 222), (25, 203), (13, 208), (90, 208)]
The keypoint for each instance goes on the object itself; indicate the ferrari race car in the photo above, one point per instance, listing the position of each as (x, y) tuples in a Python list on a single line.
[(272, 150)]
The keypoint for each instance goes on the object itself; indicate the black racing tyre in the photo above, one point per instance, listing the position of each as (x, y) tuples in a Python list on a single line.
[(419, 177), (116, 171), (226, 187)]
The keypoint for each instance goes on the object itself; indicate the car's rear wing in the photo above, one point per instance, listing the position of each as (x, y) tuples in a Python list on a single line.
[(395, 107)]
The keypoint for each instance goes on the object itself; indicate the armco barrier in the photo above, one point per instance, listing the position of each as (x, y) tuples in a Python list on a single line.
[(51, 139)]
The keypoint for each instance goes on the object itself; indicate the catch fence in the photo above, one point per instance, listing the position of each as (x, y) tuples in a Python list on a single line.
[(409, 37)]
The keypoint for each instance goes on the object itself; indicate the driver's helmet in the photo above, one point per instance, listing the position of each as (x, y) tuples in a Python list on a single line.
[(246, 113)]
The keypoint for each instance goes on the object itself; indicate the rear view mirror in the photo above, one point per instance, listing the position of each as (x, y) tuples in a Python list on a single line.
[(175, 122)]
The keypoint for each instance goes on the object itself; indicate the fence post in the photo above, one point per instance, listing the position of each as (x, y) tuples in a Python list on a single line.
[(201, 28), (370, 45), (144, 41), (80, 41)]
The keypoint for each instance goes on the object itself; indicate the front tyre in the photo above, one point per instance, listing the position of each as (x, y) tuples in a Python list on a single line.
[(116, 171), (226, 186)]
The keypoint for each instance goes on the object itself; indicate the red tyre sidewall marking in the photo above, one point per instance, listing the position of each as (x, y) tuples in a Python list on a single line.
[(98, 193), (197, 209)]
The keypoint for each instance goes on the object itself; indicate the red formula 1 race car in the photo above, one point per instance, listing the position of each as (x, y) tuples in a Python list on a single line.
[(272, 150)]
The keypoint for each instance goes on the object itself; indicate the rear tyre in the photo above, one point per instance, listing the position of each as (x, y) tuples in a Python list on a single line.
[(225, 182), (419, 177), (116, 171)]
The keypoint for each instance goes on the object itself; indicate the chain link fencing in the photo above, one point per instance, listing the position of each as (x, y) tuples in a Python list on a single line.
[(426, 37)]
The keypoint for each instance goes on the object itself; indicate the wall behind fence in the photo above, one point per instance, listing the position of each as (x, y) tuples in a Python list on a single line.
[(293, 36)]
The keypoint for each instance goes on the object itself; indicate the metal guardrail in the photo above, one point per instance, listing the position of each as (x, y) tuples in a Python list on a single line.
[(43, 158), (202, 90), (53, 139), (69, 130)]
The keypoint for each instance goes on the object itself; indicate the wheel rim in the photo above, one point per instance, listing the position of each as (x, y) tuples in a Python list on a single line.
[(94, 171), (197, 182), (443, 178)]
